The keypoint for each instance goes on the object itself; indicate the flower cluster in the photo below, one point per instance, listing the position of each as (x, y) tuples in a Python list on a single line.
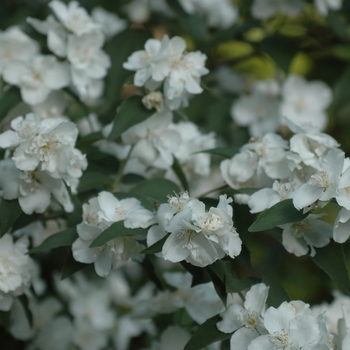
[(298, 100), (99, 214), (43, 161), (290, 326), (197, 236), (166, 63)]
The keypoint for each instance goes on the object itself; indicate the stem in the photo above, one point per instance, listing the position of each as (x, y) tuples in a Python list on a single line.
[(224, 187), (118, 179), (242, 296)]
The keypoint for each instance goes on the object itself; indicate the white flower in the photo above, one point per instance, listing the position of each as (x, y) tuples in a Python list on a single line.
[(37, 77), (56, 34), (306, 102), (324, 183), (264, 9), (73, 17), (154, 100), (15, 269), (260, 111), (110, 23), (16, 46), (99, 214), (246, 320), (323, 6), (311, 232), (288, 328), (341, 228), (174, 338)]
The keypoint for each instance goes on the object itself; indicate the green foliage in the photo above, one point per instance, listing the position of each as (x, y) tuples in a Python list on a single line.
[(281, 213), (331, 259), (156, 247), (277, 294), (206, 334), (131, 112), (117, 230), (60, 239), (9, 213)]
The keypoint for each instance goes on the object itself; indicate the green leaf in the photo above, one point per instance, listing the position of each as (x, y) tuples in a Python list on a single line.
[(281, 213), (223, 152), (116, 230), (126, 42), (233, 284), (23, 299), (158, 189), (342, 85), (59, 239), (331, 259), (8, 100), (338, 25), (277, 294), (89, 139), (70, 267), (194, 26), (155, 247), (180, 174), (216, 271), (131, 112), (94, 181), (9, 213), (206, 334)]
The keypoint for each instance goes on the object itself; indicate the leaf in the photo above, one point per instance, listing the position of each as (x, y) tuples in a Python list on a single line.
[(194, 26), (277, 294), (89, 139), (282, 50), (70, 267), (158, 189), (131, 112), (116, 230), (180, 174), (127, 42), (331, 259), (341, 87), (93, 181), (59, 239), (23, 299), (216, 271), (223, 152), (233, 284), (155, 247), (281, 213), (206, 334), (199, 275), (8, 100), (338, 25), (9, 213)]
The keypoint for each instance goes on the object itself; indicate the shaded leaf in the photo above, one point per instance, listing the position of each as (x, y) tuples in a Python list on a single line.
[(117, 229), (70, 267), (277, 294), (89, 139), (23, 299), (180, 174), (338, 25), (223, 152), (158, 189), (155, 247), (206, 334), (93, 181), (131, 112), (331, 259), (59, 239), (8, 100), (233, 284), (194, 26), (281, 213), (9, 213), (216, 271)]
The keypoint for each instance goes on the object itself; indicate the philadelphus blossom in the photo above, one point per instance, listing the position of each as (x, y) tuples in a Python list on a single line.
[(198, 236), (79, 38), (16, 269), (167, 62), (37, 77), (15, 46), (311, 232), (43, 161), (260, 111), (222, 15), (323, 6), (257, 163), (264, 9), (247, 320), (100, 213)]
